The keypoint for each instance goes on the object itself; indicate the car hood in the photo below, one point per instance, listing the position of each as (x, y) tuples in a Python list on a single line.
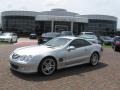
[(34, 50)]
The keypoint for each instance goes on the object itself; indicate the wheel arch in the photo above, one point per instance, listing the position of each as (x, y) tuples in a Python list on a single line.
[(97, 54), (48, 57)]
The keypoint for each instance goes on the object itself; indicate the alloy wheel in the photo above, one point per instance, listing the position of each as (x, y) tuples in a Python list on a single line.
[(48, 66), (94, 59)]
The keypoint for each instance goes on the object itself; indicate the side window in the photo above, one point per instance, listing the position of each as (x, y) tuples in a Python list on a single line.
[(79, 43), (75, 43), (84, 43), (14, 34)]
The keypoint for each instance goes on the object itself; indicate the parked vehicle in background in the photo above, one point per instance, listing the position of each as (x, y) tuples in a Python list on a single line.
[(92, 35), (107, 40), (33, 36), (116, 43), (90, 38), (66, 33), (9, 37), (87, 33), (58, 53), (48, 36), (100, 42)]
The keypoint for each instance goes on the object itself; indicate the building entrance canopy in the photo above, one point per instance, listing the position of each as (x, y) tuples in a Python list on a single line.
[(61, 18)]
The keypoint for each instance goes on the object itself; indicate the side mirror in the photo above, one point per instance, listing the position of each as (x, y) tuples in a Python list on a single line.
[(71, 48)]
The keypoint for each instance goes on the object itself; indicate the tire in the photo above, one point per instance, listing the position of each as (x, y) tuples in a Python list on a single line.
[(47, 66), (15, 41), (115, 48), (10, 41), (94, 59)]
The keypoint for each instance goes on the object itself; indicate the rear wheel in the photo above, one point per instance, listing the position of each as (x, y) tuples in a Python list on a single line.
[(47, 66), (94, 59)]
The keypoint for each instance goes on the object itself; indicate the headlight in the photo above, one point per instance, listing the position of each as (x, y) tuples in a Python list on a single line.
[(25, 58)]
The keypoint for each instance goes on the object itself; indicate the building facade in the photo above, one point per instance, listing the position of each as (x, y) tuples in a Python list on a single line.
[(57, 20), (102, 24), (19, 21)]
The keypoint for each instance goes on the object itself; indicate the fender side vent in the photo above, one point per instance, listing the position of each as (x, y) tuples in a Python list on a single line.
[(60, 59)]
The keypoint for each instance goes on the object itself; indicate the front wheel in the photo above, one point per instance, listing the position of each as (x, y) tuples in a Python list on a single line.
[(94, 59), (47, 66), (10, 41)]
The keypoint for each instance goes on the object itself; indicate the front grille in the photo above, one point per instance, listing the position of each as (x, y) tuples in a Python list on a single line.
[(2, 39), (14, 66)]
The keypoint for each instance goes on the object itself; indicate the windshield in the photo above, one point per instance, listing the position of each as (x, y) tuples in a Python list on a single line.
[(87, 37), (66, 33), (50, 34), (89, 33), (57, 42), (107, 38), (6, 34)]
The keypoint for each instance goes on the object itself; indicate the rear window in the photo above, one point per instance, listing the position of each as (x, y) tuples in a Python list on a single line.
[(50, 34), (89, 33)]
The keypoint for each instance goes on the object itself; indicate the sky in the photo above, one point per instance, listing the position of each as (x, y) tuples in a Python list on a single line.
[(105, 7)]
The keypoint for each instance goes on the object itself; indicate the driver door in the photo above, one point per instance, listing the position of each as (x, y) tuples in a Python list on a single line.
[(76, 55)]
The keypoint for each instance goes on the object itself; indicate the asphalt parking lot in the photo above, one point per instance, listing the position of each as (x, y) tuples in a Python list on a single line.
[(104, 76)]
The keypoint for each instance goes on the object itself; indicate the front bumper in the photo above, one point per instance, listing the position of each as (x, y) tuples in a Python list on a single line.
[(4, 40), (23, 67)]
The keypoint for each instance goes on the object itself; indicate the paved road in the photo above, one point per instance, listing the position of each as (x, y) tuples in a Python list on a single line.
[(105, 76)]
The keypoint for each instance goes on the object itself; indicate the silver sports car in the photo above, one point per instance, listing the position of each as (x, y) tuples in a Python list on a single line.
[(58, 53)]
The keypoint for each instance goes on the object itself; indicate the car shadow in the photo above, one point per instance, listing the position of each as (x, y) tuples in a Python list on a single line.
[(77, 70)]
